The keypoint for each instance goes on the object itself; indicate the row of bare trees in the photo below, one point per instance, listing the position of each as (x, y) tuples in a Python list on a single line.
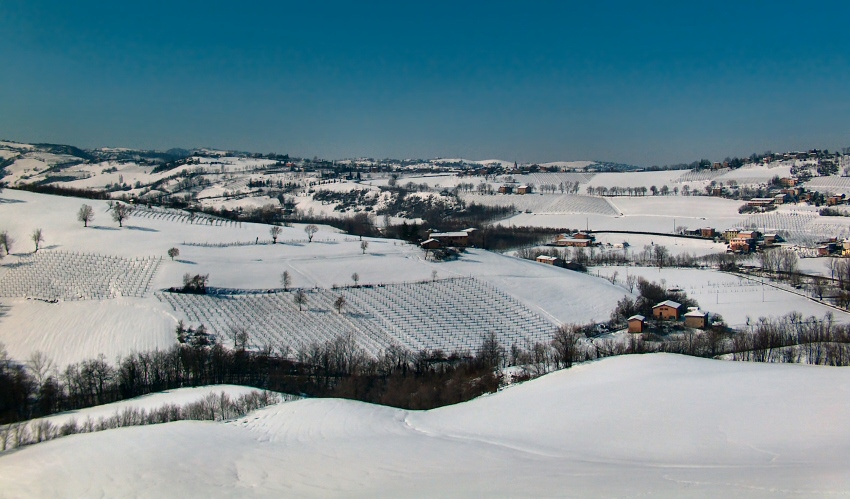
[(213, 407)]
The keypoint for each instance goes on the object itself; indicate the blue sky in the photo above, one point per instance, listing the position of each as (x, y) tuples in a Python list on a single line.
[(634, 82)]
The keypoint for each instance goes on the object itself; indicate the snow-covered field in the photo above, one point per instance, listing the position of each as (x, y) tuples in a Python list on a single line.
[(735, 298), (546, 203), (644, 213), (642, 425), (115, 320)]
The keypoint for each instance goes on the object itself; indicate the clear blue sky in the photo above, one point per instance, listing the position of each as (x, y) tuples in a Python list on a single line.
[(636, 82)]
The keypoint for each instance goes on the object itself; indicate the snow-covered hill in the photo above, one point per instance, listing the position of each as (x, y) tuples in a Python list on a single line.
[(50, 305), (643, 425)]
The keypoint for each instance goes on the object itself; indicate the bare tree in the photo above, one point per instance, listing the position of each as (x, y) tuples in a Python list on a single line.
[(661, 255), (275, 231), (300, 298), (311, 231), (364, 245), (631, 280), (41, 366), (565, 343), (37, 237), (830, 264), (613, 277), (286, 280), (85, 215), (356, 278), (120, 212), (491, 353), (433, 275), (6, 242), (339, 303), (173, 252), (818, 287), (239, 335)]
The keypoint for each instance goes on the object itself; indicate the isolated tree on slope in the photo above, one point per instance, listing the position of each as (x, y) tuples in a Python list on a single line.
[(120, 212), (37, 238), (364, 245), (85, 215), (6, 242), (311, 231), (300, 298), (286, 280), (356, 278), (275, 231), (339, 303), (173, 252)]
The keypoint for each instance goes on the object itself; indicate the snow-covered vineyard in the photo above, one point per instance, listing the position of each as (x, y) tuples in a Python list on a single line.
[(446, 314), (804, 228), (59, 275), (172, 215)]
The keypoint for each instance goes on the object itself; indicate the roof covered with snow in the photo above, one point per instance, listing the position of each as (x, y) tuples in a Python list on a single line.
[(668, 303)]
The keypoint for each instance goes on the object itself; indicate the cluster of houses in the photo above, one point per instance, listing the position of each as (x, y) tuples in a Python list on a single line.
[(670, 310), (834, 247), (747, 241), (787, 191)]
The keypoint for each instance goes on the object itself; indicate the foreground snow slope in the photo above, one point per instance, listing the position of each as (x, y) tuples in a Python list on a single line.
[(658, 425)]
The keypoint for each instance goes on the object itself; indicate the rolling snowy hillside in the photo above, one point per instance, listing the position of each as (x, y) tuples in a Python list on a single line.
[(91, 291), (650, 425)]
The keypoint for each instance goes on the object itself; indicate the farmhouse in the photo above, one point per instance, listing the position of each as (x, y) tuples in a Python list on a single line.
[(835, 200), (827, 249), (506, 189), (523, 189), (443, 239), (579, 239), (741, 245), (637, 323), (452, 238), (707, 232), (550, 260), (730, 234), (760, 202), (696, 318), (667, 310)]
